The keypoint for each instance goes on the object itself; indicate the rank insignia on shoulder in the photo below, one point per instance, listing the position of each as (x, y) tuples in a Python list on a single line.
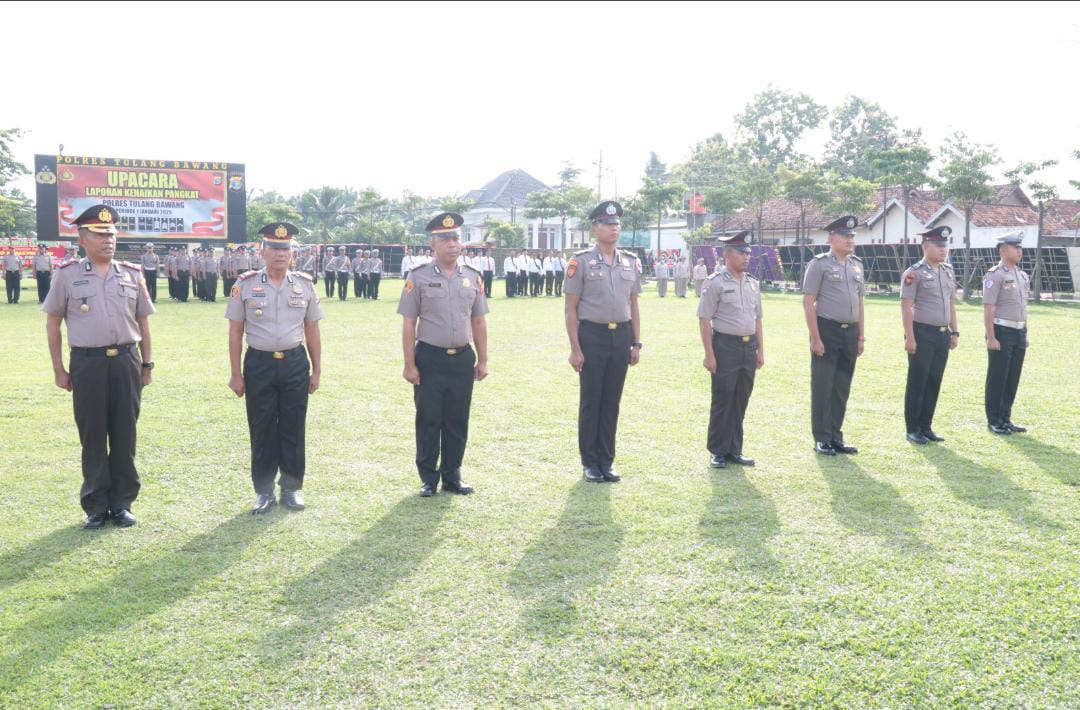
[(571, 268), (409, 285), (909, 278)]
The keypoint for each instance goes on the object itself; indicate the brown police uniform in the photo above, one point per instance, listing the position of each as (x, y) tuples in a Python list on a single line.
[(43, 269), (13, 277), (1007, 289)]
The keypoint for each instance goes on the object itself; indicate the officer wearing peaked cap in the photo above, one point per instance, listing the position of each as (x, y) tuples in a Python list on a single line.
[(1006, 288), (833, 289), (278, 312), (729, 316), (443, 308), (604, 327), (928, 314), (106, 307)]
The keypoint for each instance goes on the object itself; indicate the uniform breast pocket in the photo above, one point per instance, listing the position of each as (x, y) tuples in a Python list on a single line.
[(429, 292), (594, 274), (297, 303), (835, 277), (731, 296), (80, 297)]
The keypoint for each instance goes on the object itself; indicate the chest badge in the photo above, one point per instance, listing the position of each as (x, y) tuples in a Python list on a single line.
[(84, 308), (258, 313), (465, 282)]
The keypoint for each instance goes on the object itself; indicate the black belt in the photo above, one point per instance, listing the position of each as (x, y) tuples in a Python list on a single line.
[(446, 351), (605, 326), (837, 323), (108, 351), (276, 354), (935, 328), (735, 338)]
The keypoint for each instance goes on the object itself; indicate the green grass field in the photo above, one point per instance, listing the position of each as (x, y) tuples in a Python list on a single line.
[(905, 576)]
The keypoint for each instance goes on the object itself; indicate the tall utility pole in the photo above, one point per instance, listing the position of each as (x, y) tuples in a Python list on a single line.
[(600, 177)]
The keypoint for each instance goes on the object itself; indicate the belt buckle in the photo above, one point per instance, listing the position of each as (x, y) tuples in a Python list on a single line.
[(746, 338), (112, 352), (451, 351), (612, 326), (278, 355), (942, 328), (845, 326)]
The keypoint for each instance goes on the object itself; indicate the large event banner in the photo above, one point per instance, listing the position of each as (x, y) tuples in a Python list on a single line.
[(156, 199)]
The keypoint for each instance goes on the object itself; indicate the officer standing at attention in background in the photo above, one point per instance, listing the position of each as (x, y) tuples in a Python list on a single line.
[(1005, 293), (729, 316), (510, 273), (278, 311), (662, 270), (43, 269), (183, 275), (375, 267), (329, 271), (928, 312), (343, 268), (833, 290), (13, 275), (701, 272), (150, 262), (210, 276), (443, 308), (107, 308), (604, 328)]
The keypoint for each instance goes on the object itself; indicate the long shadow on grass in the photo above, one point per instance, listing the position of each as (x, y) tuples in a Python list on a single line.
[(111, 607), (573, 558), (739, 517), (358, 575), (868, 506), (18, 564), (1054, 461), (985, 487)]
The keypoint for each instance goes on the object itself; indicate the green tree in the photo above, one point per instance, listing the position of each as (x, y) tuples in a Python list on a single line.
[(659, 198), (327, 211), (758, 184), (454, 204), (1026, 175), (773, 122), (568, 176), (964, 179), (543, 205), (850, 195), (636, 215), (723, 201), (904, 164), (573, 201), (267, 207), (656, 170), (712, 163), (859, 129), (17, 214), (504, 234), (806, 188)]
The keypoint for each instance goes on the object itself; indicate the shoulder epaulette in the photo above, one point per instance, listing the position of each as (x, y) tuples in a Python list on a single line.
[(947, 265), (301, 274), (750, 276), (822, 255), (246, 275), (137, 267), (856, 258), (626, 252), (994, 268), (473, 268), (713, 275), (67, 264), (583, 251)]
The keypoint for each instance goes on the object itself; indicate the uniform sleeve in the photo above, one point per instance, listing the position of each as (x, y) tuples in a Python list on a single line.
[(574, 282), (637, 273), (143, 305), (235, 309), (409, 304), (909, 285), (707, 305), (480, 305), (757, 311), (812, 278), (314, 310), (56, 302), (991, 290)]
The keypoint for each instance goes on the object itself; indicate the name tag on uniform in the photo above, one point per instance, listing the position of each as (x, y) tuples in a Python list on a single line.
[(434, 284), (81, 283), (258, 289), (928, 277), (297, 302)]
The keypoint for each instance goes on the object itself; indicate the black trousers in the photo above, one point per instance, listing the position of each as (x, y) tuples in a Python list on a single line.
[(830, 379), (1003, 373), (522, 280), (607, 358), (172, 286), (182, 281), (210, 287), (925, 371), (511, 284), (373, 286), (276, 395), (549, 282), (44, 278), (443, 399), (13, 283), (151, 284), (107, 394), (536, 283), (343, 285), (558, 283), (328, 283), (358, 288), (732, 383), (489, 278), (226, 285)]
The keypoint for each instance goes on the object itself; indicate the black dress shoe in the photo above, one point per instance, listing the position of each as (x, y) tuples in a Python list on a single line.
[(740, 459), (292, 500), (824, 447), (95, 521), (427, 490), (263, 503), (842, 448), (931, 436), (1017, 429), (608, 472), (916, 437), (717, 461), (1000, 429), (123, 518), (593, 474), (462, 489)]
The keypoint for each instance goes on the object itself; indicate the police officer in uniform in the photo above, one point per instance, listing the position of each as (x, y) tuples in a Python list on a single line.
[(510, 273), (343, 274), (12, 275), (358, 266), (210, 276), (1005, 293), (375, 267), (604, 328), (150, 263), (329, 271), (170, 271), (928, 312), (833, 290), (443, 308), (662, 270), (43, 268), (729, 316), (106, 306), (277, 311)]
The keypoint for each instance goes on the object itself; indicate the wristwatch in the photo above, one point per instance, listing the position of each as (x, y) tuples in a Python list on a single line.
[(956, 333), (639, 345), (148, 366)]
